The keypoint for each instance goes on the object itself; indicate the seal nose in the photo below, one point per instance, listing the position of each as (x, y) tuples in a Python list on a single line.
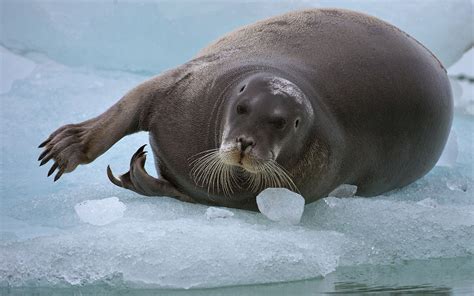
[(245, 142)]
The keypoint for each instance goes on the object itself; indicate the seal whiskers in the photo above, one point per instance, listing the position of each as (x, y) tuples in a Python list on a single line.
[(210, 169), (270, 174)]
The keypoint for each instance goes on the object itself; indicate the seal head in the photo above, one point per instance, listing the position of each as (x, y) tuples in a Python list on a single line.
[(265, 123)]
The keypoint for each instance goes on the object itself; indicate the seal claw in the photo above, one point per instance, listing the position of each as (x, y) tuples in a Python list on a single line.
[(46, 159), (112, 178), (52, 169), (59, 174), (44, 143), (42, 155), (137, 154)]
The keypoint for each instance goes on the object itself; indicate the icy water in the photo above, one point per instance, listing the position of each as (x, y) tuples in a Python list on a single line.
[(84, 236), (436, 276)]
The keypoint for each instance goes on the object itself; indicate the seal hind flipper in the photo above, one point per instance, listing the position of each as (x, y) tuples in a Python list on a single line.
[(139, 181)]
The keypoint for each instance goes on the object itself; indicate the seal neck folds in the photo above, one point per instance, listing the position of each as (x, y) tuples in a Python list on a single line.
[(264, 126)]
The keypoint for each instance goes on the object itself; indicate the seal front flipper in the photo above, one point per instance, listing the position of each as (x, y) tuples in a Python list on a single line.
[(138, 180), (67, 147), (75, 144)]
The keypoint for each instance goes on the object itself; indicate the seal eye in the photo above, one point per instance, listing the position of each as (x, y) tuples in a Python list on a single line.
[(278, 123), (241, 109), (242, 89), (297, 122)]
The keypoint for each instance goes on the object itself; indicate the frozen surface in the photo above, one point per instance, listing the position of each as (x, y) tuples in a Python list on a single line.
[(281, 205), (215, 213), (344, 190), (60, 54), (100, 212)]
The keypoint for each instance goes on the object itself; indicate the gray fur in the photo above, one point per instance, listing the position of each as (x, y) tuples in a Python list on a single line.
[(382, 108)]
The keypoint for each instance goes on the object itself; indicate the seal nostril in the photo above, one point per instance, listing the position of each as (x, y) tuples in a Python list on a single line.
[(242, 89), (245, 142)]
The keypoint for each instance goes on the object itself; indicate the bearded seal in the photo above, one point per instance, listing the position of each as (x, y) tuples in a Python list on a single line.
[(307, 100)]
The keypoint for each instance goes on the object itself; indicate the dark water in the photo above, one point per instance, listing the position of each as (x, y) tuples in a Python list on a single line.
[(424, 277)]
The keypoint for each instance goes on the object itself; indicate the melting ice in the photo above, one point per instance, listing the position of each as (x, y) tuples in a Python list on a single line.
[(84, 230), (281, 205)]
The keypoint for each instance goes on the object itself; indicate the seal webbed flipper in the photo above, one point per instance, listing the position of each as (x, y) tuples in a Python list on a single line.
[(139, 181)]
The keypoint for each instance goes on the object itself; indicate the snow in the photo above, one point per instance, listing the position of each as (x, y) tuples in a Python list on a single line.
[(100, 212), (281, 205), (68, 62)]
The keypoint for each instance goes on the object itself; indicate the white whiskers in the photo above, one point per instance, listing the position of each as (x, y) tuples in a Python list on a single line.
[(210, 171)]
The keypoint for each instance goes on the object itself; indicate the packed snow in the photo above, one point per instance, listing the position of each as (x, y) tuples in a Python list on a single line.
[(69, 62)]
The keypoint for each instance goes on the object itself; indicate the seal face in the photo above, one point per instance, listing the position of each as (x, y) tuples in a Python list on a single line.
[(265, 119), (308, 100)]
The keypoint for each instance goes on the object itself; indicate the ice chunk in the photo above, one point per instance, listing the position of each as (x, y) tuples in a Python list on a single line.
[(100, 212), (281, 204), (463, 89), (464, 66), (457, 185), (344, 190), (450, 153), (213, 213)]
